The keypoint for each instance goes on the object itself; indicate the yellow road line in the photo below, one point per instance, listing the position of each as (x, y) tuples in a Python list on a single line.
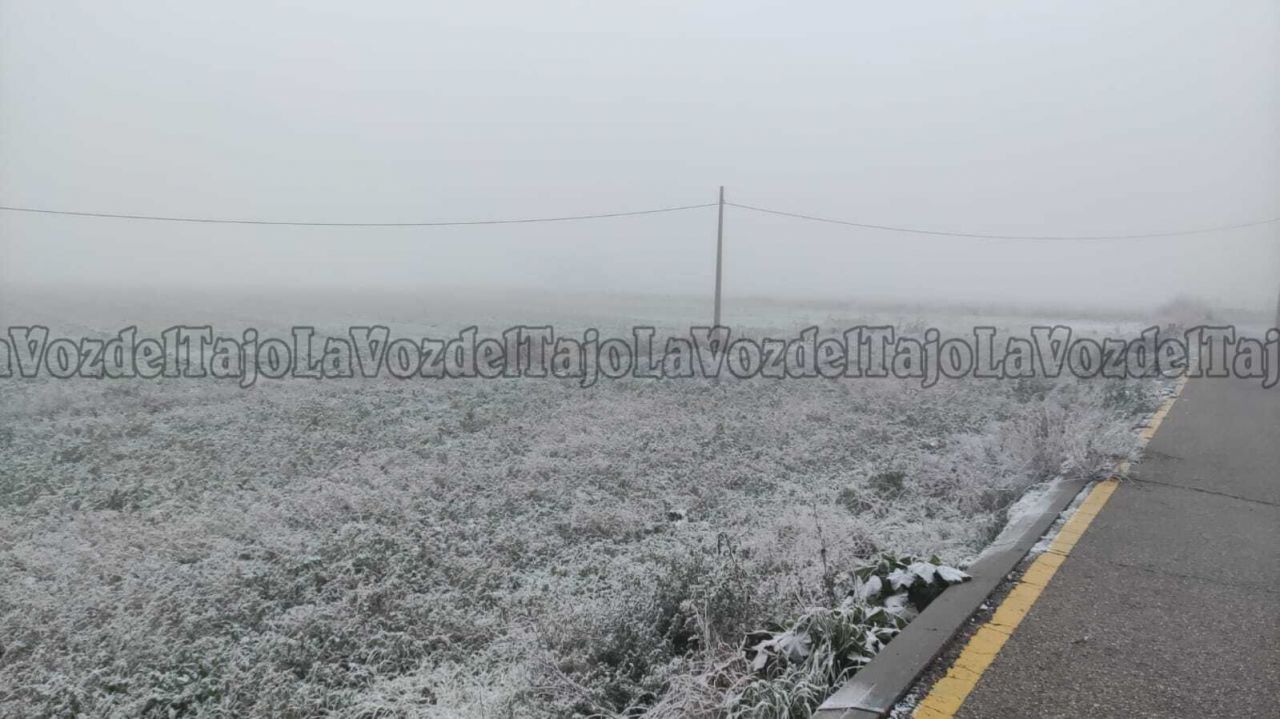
[(949, 693)]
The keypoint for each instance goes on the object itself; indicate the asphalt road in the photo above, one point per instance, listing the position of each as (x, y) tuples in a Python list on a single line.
[(1169, 606)]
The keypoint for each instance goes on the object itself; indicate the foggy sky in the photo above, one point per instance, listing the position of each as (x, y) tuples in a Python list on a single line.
[(1063, 117)]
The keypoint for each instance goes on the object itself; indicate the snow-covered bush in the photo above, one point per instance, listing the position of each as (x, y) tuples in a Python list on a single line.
[(797, 666), (786, 669)]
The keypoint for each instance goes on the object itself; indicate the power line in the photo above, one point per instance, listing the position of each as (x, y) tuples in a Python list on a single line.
[(219, 221), (974, 235), (633, 213)]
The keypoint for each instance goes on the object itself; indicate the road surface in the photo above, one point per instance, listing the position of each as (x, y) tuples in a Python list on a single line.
[(1169, 605)]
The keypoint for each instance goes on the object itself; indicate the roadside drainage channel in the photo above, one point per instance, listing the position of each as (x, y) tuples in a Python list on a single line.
[(877, 687)]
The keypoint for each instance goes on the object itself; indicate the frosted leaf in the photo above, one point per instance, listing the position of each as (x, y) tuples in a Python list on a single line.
[(762, 656), (924, 570), (896, 604), (871, 643), (901, 578), (864, 591), (951, 575), (796, 646)]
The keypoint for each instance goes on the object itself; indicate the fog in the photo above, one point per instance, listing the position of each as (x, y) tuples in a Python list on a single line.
[(1046, 118)]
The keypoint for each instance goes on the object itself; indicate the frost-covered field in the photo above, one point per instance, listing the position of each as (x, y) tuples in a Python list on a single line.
[(512, 548)]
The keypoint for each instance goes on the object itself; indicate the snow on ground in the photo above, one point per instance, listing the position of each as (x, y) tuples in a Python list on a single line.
[(521, 548)]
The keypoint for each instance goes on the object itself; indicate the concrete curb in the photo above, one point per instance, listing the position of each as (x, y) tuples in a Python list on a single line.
[(877, 687)]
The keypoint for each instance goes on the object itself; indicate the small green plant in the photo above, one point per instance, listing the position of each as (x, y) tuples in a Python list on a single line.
[(853, 500), (1028, 389), (794, 666), (697, 601), (1129, 398), (888, 484)]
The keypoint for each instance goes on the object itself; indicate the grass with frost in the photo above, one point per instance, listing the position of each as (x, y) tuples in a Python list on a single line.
[(511, 548)]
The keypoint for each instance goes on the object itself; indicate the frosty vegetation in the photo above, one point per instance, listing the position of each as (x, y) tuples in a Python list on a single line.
[(519, 548)]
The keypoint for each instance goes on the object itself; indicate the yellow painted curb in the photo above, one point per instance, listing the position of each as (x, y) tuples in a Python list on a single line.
[(949, 693)]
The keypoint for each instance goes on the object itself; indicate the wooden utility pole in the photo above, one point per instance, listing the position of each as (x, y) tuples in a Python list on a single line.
[(719, 255), (1277, 320)]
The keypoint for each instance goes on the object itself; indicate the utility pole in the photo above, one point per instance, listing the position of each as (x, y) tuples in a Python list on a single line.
[(720, 255), (1277, 320)]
